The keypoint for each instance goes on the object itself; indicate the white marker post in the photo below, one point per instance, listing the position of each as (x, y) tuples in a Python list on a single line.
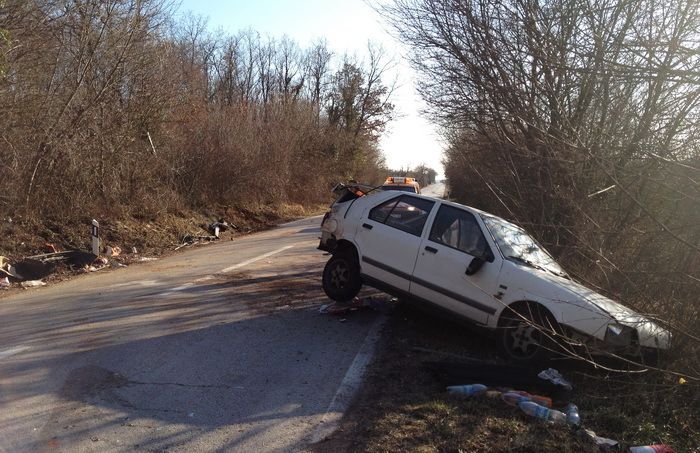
[(95, 237)]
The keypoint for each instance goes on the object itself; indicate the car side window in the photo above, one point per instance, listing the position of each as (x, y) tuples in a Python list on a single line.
[(460, 230), (404, 213), (381, 212)]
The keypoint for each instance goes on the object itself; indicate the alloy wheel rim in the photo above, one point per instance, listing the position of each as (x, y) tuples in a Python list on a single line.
[(339, 275)]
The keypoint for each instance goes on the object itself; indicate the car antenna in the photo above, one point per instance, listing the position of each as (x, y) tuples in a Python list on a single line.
[(353, 201)]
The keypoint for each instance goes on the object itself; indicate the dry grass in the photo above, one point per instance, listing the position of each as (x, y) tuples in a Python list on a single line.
[(404, 407)]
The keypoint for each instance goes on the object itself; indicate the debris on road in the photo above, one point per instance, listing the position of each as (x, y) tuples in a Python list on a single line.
[(113, 251), (191, 239), (34, 269), (219, 226), (214, 229), (32, 283), (382, 304), (555, 377), (4, 282), (145, 259)]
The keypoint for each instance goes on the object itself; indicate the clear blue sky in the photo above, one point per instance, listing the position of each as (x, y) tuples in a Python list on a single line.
[(347, 26)]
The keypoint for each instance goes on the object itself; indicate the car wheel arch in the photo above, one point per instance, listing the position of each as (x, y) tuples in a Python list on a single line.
[(521, 306), (345, 247)]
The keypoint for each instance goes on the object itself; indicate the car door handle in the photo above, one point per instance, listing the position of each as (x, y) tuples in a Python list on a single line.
[(367, 226), (431, 249)]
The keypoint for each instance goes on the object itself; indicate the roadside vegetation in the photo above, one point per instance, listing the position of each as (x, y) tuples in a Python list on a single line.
[(123, 110), (578, 121)]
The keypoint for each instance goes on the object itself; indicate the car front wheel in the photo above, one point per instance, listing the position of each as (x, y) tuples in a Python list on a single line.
[(528, 334), (341, 278)]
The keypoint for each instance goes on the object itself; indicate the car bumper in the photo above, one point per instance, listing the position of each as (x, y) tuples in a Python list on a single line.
[(328, 242)]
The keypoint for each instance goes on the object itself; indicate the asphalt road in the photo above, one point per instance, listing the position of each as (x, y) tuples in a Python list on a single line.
[(220, 347), (436, 190)]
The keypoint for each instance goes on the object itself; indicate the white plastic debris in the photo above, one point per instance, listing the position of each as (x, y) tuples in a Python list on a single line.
[(32, 283), (555, 377)]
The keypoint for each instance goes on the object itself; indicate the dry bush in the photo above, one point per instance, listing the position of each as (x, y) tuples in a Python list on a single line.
[(113, 108)]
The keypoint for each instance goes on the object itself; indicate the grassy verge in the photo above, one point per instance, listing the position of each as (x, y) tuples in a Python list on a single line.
[(153, 235), (404, 407)]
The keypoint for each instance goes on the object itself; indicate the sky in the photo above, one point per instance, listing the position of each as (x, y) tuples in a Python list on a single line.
[(347, 26)]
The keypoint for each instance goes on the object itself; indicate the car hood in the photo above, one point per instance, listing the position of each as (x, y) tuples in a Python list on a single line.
[(585, 309)]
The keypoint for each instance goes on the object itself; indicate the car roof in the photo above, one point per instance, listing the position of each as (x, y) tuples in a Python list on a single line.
[(446, 202)]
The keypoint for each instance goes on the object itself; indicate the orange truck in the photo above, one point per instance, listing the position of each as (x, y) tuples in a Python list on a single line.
[(404, 184)]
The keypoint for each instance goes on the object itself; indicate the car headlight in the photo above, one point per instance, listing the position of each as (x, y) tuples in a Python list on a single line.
[(620, 335), (330, 225)]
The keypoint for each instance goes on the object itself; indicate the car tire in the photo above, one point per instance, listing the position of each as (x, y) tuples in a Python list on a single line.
[(527, 334), (341, 278)]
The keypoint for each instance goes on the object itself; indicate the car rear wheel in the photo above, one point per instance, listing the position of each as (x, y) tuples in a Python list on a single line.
[(528, 334), (341, 278)]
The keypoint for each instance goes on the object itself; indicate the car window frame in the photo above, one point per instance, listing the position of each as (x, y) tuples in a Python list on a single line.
[(397, 200), (489, 255)]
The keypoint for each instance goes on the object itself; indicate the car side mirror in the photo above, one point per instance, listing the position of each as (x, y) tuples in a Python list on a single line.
[(474, 266)]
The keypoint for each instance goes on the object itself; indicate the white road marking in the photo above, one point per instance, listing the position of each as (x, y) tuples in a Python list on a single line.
[(12, 351), (257, 258), (223, 271), (349, 385), (175, 290), (131, 284)]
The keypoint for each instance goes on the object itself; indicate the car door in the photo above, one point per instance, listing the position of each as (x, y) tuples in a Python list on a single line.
[(456, 237), (389, 237)]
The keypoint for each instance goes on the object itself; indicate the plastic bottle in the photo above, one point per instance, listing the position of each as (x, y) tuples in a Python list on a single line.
[(469, 390), (493, 394), (652, 449), (572, 416), (541, 412), (514, 398), (541, 400), (517, 396)]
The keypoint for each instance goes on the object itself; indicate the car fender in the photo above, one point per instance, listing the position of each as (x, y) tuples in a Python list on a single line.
[(593, 323)]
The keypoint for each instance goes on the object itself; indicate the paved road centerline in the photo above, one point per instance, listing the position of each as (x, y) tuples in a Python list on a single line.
[(225, 270), (257, 258)]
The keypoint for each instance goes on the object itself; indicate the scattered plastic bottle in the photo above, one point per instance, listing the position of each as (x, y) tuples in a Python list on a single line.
[(469, 390), (541, 400), (493, 394), (541, 412), (659, 448), (514, 398), (572, 416)]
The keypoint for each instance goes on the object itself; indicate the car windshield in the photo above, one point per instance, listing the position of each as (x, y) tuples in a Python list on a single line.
[(519, 246), (411, 189)]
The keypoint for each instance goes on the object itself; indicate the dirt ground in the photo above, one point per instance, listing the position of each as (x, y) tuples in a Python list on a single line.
[(404, 406)]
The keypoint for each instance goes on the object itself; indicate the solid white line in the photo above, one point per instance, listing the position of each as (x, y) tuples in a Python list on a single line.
[(257, 258), (12, 351), (176, 289), (350, 384)]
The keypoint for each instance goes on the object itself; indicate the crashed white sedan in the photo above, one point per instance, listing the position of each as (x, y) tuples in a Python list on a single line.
[(476, 266)]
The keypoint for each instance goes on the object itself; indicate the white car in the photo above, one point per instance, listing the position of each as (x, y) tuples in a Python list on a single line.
[(476, 266)]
